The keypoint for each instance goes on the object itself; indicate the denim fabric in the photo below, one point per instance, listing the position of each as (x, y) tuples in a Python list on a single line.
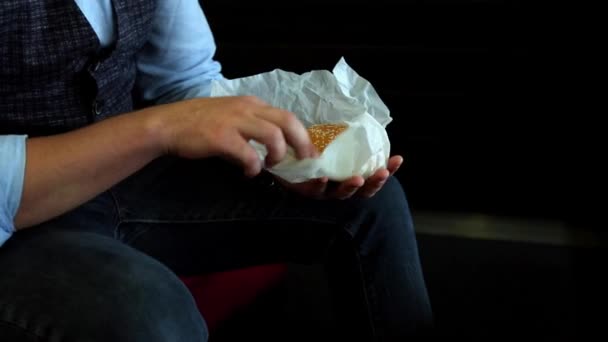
[(106, 271)]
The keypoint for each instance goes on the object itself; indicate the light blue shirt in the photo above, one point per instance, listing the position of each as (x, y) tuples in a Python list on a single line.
[(177, 63)]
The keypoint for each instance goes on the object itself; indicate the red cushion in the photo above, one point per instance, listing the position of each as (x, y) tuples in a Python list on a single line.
[(219, 295)]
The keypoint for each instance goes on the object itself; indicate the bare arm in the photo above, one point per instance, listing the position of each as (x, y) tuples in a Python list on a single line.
[(64, 171)]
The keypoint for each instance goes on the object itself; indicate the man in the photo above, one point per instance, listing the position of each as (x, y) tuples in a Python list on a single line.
[(103, 201)]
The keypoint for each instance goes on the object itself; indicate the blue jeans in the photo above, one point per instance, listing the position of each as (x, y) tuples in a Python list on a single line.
[(107, 271)]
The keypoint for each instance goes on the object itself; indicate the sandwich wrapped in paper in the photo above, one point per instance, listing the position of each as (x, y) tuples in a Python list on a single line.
[(340, 108)]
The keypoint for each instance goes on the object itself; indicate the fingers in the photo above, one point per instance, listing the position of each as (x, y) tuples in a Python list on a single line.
[(370, 186), (319, 187), (242, 153), (268, 134), (274, 128), (315, 188), (293, 130), (348, 188), (374, 183), (394, 163)]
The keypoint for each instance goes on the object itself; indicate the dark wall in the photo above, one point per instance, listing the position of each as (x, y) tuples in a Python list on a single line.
[(475, 88), (462, 78)]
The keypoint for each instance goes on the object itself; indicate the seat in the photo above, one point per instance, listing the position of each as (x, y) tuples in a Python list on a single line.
[(221, 295)]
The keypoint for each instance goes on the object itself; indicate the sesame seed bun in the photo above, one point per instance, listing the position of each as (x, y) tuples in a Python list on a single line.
[(322, 135)]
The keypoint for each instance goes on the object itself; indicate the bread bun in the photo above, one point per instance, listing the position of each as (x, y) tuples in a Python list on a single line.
[(322, 135)]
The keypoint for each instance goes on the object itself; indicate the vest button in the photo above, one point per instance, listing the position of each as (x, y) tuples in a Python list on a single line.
[(94, 67), (97, 108)]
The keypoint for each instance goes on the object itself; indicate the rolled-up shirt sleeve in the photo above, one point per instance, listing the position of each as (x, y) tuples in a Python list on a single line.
[(12, 174), (177, 62)]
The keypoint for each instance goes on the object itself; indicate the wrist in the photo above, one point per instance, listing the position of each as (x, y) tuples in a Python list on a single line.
[(153, 126)]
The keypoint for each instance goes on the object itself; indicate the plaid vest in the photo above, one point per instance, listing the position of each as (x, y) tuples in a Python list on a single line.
[(54, 76)]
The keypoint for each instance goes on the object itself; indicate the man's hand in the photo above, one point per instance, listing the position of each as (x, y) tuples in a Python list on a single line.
[(355, 186), (223, 126), (102, 154)]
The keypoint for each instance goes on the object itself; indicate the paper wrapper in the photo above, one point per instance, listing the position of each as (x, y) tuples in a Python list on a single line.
[(320, 96)]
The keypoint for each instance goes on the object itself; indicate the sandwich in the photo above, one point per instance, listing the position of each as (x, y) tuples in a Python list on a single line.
[(321, 135)]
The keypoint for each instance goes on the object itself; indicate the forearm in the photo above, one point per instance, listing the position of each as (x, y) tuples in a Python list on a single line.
[(66, 170)]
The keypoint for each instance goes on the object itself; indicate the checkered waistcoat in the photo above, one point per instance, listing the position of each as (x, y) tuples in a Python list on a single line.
[(54, 77)]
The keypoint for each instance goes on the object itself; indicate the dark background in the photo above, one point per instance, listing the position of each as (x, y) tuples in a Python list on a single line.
[(464, 79), (475, 88)]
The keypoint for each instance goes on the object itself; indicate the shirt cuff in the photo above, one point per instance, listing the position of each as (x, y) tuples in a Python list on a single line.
[(12, 174)]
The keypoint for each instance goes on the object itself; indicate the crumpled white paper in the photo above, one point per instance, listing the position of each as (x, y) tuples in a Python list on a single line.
[(320, 96)]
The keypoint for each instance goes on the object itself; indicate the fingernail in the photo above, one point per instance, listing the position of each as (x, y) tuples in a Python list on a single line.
[(308, 154)]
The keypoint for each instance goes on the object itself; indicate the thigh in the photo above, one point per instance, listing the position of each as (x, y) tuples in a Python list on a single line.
[(204, 216), (67, 285), (178, 190), (198, 216)]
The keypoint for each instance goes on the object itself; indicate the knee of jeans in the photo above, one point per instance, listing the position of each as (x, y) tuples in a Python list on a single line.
[(384, 216), (389, 201), (148, 302), (391, 192), (82, 286)]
